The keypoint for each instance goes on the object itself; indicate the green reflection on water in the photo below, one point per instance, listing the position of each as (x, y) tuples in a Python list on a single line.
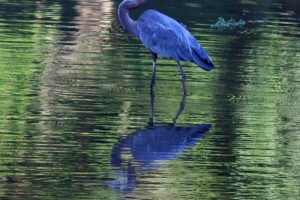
[(72, 83)]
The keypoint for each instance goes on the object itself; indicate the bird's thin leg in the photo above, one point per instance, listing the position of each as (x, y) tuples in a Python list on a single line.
[(183, 77), (181, 108), (154, 58)]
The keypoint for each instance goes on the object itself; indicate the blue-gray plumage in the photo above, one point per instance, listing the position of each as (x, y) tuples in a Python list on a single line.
[(163, 36), (170, 39)]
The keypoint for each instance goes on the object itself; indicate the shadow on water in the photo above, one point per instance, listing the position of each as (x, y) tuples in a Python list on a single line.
[(147, 150)]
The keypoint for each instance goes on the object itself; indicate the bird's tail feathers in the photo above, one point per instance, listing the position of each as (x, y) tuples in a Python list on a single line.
[(202, 59)]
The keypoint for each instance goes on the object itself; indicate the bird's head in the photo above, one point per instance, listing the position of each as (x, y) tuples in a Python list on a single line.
[(133, 4)]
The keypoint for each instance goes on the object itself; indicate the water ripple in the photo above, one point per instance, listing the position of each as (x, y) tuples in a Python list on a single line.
[(74, 93)]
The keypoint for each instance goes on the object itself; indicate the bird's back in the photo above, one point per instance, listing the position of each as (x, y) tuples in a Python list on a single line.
[(170, 39), (156, 31)]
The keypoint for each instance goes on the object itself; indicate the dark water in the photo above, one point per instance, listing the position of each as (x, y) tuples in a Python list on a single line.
[(74, 104)]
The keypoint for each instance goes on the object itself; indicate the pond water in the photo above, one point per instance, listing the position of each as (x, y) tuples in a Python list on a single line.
[(74, 104)]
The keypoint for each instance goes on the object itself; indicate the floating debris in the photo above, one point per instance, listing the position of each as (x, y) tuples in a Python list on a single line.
[(231, 24)]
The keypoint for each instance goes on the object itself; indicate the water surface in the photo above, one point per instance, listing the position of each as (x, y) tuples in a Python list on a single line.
[(74, 86)]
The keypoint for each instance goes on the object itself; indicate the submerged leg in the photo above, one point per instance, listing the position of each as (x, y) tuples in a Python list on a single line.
[(154, 58), (183, 77)]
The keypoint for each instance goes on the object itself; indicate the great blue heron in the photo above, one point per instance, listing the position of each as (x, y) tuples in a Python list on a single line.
[(163, 36)]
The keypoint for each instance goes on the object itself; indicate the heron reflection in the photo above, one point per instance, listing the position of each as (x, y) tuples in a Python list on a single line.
[(149, 149)]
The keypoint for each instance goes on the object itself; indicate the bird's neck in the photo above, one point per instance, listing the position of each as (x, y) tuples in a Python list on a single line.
[(127, 22)]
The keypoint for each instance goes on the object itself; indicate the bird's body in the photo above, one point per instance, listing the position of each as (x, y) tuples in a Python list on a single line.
[(163, 36), (166, 37)]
